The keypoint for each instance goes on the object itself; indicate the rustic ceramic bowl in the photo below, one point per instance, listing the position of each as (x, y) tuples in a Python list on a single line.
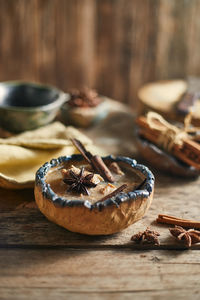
[(26, 106), (101, 218), (163, 161)]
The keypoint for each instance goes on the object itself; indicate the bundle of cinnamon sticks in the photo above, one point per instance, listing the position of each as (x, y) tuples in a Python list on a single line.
[(170, 138)]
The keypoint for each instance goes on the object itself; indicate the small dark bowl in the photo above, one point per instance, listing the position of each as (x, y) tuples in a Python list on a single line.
[(26, 105)]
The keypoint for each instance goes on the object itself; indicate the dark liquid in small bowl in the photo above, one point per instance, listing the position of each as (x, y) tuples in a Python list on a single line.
[(26, 95)]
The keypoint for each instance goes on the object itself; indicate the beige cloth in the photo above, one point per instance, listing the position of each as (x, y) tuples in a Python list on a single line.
[(22, 155)]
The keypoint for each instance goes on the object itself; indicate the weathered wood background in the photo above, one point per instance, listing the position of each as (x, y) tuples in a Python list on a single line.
[(112, 45)]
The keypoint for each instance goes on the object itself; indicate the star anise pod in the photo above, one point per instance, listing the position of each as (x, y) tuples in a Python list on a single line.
[(149, 236), (189, 237), (79, 183)]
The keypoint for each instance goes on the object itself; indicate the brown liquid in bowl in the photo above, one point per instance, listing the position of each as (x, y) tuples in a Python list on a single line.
[(131, 177)]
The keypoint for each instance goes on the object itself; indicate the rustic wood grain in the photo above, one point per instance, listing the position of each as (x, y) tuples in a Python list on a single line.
[(115, 46), (50, 272), (22, 225), (39, 260), (26, 226), (62, 294)]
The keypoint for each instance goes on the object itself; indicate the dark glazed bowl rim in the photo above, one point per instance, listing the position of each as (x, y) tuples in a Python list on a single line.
[(62, 97), (117, 200)]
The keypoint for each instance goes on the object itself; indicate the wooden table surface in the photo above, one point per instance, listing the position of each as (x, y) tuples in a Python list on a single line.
[(40, 260)]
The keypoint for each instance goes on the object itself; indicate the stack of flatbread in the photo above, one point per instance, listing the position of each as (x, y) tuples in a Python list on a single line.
[(23, 154)]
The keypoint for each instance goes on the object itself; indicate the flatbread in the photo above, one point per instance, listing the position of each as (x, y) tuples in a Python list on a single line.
[(22, 155)]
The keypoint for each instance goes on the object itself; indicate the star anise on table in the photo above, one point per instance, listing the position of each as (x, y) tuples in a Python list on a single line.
[(79, 183), (149, 236), (189, 237)]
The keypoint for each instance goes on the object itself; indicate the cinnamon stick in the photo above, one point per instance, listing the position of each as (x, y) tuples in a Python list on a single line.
[(188, 152), (165, 219), (140, 185), (95, 160), (101, 168), (87, 155), (120, 189), (114, 193)]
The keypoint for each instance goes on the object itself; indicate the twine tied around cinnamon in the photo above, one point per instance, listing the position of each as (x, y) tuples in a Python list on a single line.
[(169, 134)]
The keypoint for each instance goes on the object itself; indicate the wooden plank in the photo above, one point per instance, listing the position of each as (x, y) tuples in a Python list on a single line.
[(98, 271), (75, 37), (177, 35), (25, 226), (45, 40), (143, 46), (62, 294), (17, 39)]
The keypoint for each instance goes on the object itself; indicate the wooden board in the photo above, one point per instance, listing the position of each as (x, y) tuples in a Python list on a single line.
[(94, 274), (39, 259), (22, 224)]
